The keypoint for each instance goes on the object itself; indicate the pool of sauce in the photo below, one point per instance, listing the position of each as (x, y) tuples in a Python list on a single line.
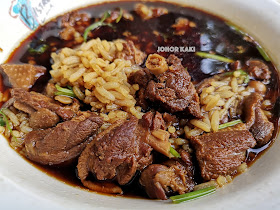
[(210, 34)]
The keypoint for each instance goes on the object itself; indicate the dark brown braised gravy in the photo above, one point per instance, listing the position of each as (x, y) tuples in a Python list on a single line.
[(211, 34)]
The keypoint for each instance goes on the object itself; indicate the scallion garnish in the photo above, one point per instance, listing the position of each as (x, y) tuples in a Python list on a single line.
[(234, 27), (38, 50), (174, 153), (260, 49), (228, 124), (7, 123), (2, 122), (247, 79), (64, 92), (192, 195), (215, 57), (97, 25), (242, 72), (230, 73), (120, 15), (263, 53)]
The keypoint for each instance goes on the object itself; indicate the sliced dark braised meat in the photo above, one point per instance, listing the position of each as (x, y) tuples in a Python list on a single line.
[(170, 119), (250, 104), (22, 75), (43, 118), (63, 143), (256, 120), (258, 70), (173, 176), (235, 65), (222, 152), (130, 52), (30, 102), (154, 121), (73, 23), (173, 89), (116, 153), (141, 77)]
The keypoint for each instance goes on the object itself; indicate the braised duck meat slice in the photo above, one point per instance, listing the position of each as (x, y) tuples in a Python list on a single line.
[(173, 176), (116, 153), (222, 152), (256, 120), (168, 84), (43, 118), (63, 143), (141, 77), (154, 121), (31, 102), (22, 75), (258, 70), (130, 52), (174, 89)]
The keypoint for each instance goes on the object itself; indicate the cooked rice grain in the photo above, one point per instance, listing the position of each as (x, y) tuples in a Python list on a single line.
[(98, 76)]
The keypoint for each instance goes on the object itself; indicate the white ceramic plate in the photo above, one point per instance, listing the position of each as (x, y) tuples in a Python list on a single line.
[(258, 188)]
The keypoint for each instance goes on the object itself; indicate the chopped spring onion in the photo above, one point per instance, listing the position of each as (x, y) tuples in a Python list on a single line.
[(247, 79), (64, 92), (234, 27), (228, 124), (97, 25), (263, 53), (174, 153), (2, 122), (38, 50), (242, 72), (7, 123), (215, 57), (260, 49), (120, 16), (105, 16), (193, 195)]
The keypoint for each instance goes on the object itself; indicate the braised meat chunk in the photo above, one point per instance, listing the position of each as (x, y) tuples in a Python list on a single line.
[(154, 121), (31, 102), (63, 143), (171, 88), (174, 89), (43, 118), (173, 176), (256, 120), (258, 70), (222, 152), (73, 24), (22, 75), (116, 153), (130, 52)]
